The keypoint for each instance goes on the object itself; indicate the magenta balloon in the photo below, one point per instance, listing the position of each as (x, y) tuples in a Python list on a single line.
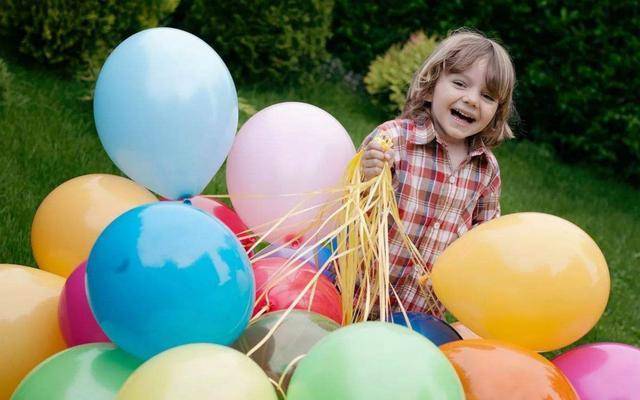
[(287, 148), (77, 323), (603, 371)]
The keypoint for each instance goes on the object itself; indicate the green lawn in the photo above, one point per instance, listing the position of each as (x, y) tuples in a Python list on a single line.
[(47, 136)]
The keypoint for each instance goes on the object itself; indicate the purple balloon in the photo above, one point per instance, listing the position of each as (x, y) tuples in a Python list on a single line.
[(77, 323), (603, 371)]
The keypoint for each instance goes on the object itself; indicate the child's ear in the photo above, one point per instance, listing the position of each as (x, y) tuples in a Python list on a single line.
[(429, 97)]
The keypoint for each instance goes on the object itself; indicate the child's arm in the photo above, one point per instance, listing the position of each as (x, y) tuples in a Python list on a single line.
[(488, 206)]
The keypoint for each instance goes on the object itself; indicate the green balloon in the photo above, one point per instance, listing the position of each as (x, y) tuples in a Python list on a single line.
[(93, 371), (375, 361)]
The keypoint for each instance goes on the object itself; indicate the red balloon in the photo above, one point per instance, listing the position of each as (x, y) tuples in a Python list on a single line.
[(326, 299), (225, 214)]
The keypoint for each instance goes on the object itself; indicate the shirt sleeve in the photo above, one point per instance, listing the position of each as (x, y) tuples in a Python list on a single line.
[(488, 206)]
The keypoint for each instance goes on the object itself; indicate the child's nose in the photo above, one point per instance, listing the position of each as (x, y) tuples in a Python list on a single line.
[(471, 99)]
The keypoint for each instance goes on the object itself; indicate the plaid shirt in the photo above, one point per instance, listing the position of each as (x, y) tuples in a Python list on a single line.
[(436, 204)]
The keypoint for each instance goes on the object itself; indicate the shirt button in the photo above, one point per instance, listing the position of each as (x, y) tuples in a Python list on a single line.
[(436, 225), (452, 179)]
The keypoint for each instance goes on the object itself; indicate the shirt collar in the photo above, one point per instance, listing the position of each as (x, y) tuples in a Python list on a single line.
[(422, 133), (426, 133), (477, 146)]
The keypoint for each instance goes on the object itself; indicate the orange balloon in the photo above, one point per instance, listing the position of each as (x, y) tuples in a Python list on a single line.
[(465, 332), (72, 216), (491, 370), (532, 279), (29, 331)]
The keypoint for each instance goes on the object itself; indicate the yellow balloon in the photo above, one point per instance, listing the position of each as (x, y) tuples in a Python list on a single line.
[(29, 331), (198, 372), (532, 279), (73, 215)]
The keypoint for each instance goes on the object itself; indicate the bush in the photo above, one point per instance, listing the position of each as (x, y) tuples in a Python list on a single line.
[(264, 39), (576, 65), (390, 75), (5, 84), (363, 30), (78, 34)]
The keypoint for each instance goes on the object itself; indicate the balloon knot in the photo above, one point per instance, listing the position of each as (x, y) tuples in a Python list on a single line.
[(294, 242)]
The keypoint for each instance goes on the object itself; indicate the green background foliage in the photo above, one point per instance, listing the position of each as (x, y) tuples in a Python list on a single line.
[(77, 35), (279, 41), (390, 75), (5, 84)]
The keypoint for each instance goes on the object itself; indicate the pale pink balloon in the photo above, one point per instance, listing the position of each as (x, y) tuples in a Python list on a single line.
[(287, 148), (77, 323), (603, 371)]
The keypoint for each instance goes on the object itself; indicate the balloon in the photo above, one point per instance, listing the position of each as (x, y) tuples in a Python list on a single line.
[(287, 148), (542, 281), (324, 254), (464, 332), (166, 111), (434, 329), (225, 214), (283, 290), (198, 372), (29, 330), (298, 332), (71, 217), (492, 370), (374, 361), (603, 371), (92, 371), (316, 258), (167, 274), (77, 323)]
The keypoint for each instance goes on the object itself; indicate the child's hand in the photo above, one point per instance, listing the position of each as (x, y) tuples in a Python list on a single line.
[(374, 157)]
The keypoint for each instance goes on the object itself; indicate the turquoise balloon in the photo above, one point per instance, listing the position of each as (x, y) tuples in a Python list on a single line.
[(92, 371), (375, 361), (166, 274), (166, 111)]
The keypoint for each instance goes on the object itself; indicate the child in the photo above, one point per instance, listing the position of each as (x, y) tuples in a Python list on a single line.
[(445, 176)]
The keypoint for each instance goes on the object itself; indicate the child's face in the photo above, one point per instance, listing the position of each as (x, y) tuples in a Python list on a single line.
[(461, 105)]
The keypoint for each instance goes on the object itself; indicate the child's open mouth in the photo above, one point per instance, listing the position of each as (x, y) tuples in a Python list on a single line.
[(462, 116)]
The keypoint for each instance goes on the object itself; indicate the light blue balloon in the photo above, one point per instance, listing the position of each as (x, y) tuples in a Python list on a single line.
[(166, 274), (166, 111)]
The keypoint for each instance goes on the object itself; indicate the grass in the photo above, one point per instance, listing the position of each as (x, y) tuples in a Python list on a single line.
[(47, 136)]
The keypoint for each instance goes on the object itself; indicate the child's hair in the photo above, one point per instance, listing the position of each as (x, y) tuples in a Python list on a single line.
[(459, 51)]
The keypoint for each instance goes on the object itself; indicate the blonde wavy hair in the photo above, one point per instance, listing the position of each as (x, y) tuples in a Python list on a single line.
[(459, 51)]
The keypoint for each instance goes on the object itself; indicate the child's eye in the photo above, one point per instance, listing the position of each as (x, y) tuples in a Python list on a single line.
[(488, 97), (459, 83)]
